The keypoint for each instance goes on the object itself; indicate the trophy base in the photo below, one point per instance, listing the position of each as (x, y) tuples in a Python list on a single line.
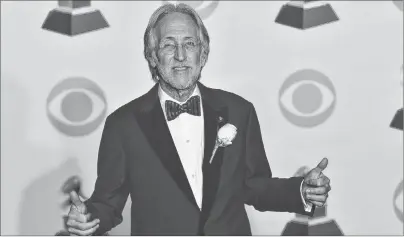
[(301, 18), (305, 229), (397, 121), (75, 4), (71, 24)]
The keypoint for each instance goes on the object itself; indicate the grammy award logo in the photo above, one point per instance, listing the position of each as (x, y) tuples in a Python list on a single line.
[(306, 14), (74, 17), (397, 121), (204, 8)]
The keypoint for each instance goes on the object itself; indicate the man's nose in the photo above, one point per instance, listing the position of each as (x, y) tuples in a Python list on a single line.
[(180, 53)]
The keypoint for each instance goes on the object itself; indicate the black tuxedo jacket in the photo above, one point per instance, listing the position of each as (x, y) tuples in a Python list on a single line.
[(137, 157)]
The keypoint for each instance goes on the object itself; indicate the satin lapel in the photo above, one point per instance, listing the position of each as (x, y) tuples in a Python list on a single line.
[(214, 119), (211, 126), (154, 126)]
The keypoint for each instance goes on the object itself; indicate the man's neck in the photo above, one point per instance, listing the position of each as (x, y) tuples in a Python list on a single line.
[(179, 95)]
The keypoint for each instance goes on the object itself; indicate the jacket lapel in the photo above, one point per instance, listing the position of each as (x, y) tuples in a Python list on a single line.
[(153, 124), (215, 116)]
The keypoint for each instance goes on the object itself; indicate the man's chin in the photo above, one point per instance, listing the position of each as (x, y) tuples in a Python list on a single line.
[(184, 85), (180, 83)]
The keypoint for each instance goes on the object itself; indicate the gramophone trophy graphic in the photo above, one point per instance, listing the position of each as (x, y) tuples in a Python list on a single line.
[(397, 121), (306, 14), (319, 224), (74, 17)]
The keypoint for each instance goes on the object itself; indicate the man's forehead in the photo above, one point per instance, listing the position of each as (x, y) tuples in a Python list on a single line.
[(177, 23)]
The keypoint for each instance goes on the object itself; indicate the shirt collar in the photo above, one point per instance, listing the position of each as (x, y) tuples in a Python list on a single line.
[(163, 96)]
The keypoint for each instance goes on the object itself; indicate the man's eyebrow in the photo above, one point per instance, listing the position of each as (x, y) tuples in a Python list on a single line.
[(173, 38), (168, 38)]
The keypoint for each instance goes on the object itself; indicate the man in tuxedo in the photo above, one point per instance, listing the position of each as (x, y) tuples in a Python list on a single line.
[(158, 149)]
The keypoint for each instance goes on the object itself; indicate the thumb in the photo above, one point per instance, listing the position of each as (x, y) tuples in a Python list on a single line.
[(323, 164), (75, 199)]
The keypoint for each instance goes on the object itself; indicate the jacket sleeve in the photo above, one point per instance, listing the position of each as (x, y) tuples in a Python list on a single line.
[(262, 191), (111, 187)]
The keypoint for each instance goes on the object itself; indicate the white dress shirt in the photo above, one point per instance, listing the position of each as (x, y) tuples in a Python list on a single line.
[(187, 132)]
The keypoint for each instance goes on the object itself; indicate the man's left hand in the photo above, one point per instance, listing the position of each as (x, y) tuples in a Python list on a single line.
[(316, 185)]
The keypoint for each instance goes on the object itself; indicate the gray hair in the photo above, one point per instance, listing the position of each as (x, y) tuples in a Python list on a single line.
[(150, 38)]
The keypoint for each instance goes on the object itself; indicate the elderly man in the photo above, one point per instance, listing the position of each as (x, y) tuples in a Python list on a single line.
[(189, 156)]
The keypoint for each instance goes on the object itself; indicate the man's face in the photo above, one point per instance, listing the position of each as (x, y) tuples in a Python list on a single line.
[(178, 52)]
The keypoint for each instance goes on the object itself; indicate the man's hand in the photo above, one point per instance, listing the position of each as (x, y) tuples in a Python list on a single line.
[(316, 185), (77, 222)]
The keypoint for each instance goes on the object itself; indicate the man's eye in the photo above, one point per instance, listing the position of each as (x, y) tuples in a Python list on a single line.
[(191, 44), (168, 45)]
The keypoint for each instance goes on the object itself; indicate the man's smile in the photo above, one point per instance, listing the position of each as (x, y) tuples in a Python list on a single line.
[(180, 68)]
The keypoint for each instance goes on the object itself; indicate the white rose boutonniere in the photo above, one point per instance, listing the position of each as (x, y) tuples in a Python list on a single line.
[(225, 137)]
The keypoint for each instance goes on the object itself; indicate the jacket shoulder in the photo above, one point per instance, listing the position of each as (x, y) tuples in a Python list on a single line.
[(127, 110), (232, 99)]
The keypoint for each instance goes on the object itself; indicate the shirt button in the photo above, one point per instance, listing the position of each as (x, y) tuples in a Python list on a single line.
[(187, 141)]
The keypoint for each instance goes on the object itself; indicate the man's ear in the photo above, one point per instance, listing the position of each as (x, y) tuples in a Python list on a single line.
[(153, 59), (204, 57)]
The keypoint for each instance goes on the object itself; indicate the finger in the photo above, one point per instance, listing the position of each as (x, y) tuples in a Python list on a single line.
[(317, 191), (323, 164), (84, 218), (75, 199), (79, 217), (74, 214), (83, 232), (82, 226), (323, 181), (318, 204), (321, 175), (328, 186), (317, 198)]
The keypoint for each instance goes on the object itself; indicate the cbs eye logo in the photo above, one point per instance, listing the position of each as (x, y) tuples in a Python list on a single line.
[(398, 202), (76, 106), (203, 8), (307, 98)]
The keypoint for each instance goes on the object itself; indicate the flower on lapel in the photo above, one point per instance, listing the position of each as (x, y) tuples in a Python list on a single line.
[(225, 137)]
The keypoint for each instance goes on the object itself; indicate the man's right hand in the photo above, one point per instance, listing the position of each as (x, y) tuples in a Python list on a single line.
[(78, 219)]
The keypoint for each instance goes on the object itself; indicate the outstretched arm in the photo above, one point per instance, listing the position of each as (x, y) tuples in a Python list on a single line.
[(262, 191), (111, 187)]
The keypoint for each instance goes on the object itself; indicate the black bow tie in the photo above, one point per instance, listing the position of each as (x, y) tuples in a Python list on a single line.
[(192, 106)]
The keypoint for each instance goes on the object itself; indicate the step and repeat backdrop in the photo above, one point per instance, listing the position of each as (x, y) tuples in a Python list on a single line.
[(325, 78)]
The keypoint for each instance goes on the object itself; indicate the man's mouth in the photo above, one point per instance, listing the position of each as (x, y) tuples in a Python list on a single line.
[(179, 68)]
